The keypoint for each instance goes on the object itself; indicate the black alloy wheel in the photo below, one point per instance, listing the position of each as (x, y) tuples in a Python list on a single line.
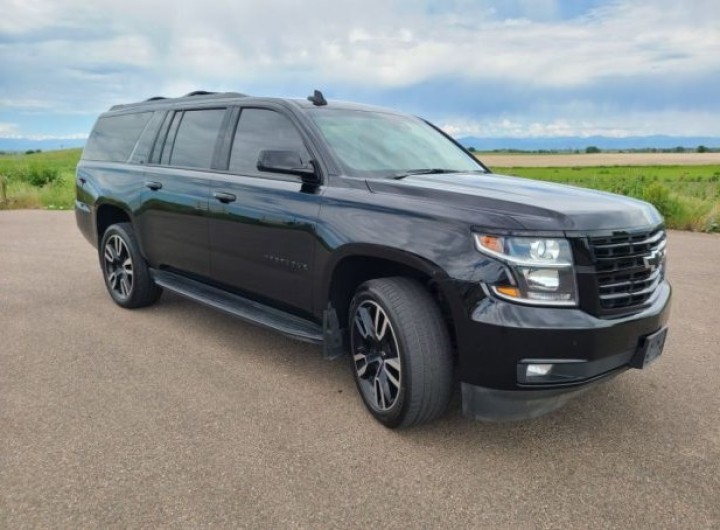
[(400, 351), (127, 276), (118, 267), (376, 355)]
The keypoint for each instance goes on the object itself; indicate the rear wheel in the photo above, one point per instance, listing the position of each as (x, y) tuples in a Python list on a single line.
[(401, 353), (127, 277)]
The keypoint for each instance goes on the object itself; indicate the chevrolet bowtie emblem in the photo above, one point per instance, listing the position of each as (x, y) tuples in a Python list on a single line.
[(653, 261)]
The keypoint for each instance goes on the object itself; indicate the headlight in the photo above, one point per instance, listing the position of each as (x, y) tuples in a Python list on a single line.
[(541, 269)]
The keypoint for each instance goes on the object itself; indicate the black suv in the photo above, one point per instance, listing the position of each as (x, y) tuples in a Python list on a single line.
[(375, 234)]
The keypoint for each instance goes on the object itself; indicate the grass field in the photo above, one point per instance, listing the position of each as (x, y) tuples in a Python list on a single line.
[(687, 194), (38, 180)]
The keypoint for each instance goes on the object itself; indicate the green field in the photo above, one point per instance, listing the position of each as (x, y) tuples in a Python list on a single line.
[(38, 180), (688, 196)]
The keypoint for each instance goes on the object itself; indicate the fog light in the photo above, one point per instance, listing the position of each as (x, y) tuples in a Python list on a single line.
[(537, 370)]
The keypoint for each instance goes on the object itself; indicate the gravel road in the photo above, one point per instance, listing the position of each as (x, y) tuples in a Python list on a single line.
[(178, 416)]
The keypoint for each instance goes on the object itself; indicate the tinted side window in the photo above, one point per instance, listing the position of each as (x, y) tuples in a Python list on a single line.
[(195, 140), (114, 137), (261, 129)]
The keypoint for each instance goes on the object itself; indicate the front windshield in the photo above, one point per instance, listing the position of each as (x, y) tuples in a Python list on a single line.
[(378, 144)]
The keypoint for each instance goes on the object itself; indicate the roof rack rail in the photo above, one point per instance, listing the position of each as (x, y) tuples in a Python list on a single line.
[(198, 93), (191, 94)]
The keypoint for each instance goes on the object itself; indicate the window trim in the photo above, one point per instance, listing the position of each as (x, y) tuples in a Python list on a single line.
[(156, 152), (169, 143)]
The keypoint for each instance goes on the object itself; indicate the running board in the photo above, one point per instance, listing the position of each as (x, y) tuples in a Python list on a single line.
[(240, 307)]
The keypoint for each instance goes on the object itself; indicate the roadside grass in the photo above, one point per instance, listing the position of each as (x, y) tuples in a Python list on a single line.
[(688, 196), (38, 180)]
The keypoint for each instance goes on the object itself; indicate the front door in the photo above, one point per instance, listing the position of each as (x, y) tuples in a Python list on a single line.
[(262, 228)]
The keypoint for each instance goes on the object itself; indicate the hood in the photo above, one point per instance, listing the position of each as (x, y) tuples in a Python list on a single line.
[(534, 204)]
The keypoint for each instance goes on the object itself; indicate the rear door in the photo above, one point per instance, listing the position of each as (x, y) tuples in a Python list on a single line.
[(262, 229), (174, 218)]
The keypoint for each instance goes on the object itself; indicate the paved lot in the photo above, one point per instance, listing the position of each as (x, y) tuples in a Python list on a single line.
[(179, 416)]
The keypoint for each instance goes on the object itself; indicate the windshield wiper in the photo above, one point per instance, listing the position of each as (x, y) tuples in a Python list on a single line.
[(433, 171)]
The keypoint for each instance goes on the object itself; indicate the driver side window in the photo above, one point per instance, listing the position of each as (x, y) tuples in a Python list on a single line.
[(259, 130)]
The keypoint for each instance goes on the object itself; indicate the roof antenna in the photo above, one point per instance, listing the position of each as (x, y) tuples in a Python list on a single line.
[(317, 99)]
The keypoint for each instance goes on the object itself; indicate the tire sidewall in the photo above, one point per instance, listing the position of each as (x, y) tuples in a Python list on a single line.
[(394, 415), (120, 231)]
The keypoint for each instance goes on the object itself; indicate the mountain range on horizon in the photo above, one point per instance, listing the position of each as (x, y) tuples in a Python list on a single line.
[(566, 143), (24, 144), (572, 143)]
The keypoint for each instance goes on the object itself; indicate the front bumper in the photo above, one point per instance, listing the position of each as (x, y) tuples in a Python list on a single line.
[(498, 339), (490, 404)]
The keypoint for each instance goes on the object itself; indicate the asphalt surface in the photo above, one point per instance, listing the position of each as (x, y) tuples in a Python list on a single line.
[(178, 416)]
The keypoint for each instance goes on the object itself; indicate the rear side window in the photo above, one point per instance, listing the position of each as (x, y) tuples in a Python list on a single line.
[(114, 137), (261, 129), (194, 143)]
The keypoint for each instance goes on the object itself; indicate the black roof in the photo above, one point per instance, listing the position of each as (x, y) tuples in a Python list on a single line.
[(202, 96), (196, 95)]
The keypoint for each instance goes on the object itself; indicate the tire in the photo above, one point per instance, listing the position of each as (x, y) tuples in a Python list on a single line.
[(401, 355), (127, 277)]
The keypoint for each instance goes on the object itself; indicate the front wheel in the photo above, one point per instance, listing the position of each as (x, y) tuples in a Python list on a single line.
[(401, 353), (126, 274)]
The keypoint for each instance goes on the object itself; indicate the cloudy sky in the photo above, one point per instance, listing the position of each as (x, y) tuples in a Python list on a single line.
[(514, 68)]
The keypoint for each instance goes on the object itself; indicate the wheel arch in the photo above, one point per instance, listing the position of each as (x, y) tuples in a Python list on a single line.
[(355, 264), (107, 214)]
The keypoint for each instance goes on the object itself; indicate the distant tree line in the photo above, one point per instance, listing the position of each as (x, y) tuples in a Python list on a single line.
[(594, 149), (28, 152)]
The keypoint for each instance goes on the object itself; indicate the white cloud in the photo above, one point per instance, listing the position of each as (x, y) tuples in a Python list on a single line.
[(76, 56), (381, 43), (393, 48), (613, 126), (7, 129), (25, 104), (20, 16), (75, 136)]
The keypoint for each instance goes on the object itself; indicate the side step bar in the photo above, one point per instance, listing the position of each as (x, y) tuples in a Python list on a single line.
[(243, 308)]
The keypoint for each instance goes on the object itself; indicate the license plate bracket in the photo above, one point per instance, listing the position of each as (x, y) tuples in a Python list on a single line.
[(651, 347)]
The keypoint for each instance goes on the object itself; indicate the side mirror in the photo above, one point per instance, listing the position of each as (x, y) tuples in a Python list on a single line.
[(288, 163)]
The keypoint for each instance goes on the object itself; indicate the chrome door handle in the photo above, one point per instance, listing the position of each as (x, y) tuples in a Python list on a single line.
[(153, 185), (224, 197)]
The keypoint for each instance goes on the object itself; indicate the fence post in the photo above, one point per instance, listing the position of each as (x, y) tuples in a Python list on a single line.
[(3, 189)]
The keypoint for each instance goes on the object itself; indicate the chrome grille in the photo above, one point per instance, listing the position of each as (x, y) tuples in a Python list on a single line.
[(629, 266)]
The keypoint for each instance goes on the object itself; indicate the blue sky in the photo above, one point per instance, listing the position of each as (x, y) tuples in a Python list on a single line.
[(517, 68)]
